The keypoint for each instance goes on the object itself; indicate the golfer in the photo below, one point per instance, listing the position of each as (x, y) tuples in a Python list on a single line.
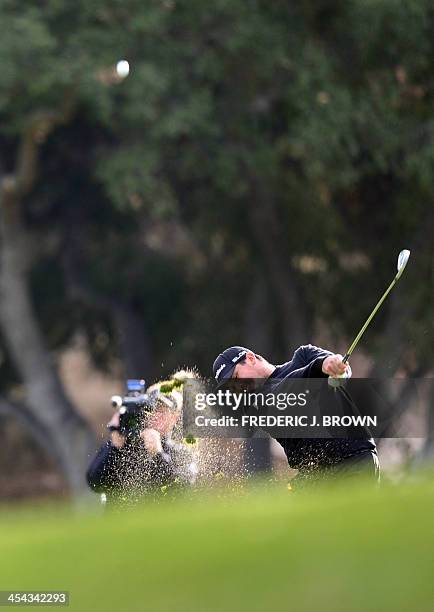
[(311, 457)]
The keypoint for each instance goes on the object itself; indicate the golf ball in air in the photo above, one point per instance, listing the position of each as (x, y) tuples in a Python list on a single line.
[(123, 68)]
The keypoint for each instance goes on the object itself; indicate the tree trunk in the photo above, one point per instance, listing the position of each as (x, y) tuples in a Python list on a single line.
[(28, 420), (45, 398), (427, 453), (277, 263), (258, 322), (133, 341), (257, 451)]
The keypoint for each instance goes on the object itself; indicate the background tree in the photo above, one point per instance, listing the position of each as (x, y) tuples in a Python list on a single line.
[(250, 182)]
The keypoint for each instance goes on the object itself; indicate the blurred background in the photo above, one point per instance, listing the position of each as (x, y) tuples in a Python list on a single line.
[(251, 181)]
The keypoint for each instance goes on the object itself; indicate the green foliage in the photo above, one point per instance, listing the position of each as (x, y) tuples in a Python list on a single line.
[(318, 111)]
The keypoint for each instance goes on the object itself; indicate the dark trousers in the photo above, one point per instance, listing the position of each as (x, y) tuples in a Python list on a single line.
[(365, 466)]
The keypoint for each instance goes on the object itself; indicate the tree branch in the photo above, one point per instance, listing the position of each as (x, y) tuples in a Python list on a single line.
[(26, 418)]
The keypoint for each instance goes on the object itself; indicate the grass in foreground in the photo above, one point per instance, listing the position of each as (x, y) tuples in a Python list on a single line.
[(335, 549)]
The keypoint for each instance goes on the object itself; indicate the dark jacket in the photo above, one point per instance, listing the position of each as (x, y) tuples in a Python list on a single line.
[(308, 454), (132, 472)]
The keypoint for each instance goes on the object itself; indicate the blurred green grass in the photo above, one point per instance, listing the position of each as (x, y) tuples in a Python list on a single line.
[(338, 548)]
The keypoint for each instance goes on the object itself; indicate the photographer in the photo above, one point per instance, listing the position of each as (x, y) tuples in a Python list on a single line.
[(142, 457)]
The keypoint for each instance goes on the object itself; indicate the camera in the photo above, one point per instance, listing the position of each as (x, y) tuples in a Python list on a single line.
[(134, 408)]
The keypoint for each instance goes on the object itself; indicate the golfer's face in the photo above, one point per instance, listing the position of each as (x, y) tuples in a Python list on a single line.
[(247, 368)]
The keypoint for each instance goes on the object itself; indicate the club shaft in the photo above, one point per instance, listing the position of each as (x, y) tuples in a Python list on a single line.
[(368, 320)]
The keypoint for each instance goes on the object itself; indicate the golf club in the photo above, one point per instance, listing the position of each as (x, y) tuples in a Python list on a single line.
[(403, 258)]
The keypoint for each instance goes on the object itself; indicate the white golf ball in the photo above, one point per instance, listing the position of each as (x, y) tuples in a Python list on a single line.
[(123, 68)]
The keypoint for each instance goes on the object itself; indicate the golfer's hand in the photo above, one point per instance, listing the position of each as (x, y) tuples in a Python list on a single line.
[(117, 439), (152, 439), (334, 366)]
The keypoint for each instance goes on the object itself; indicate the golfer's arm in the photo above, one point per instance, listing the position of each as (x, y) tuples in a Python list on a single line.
[(309, 358)]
